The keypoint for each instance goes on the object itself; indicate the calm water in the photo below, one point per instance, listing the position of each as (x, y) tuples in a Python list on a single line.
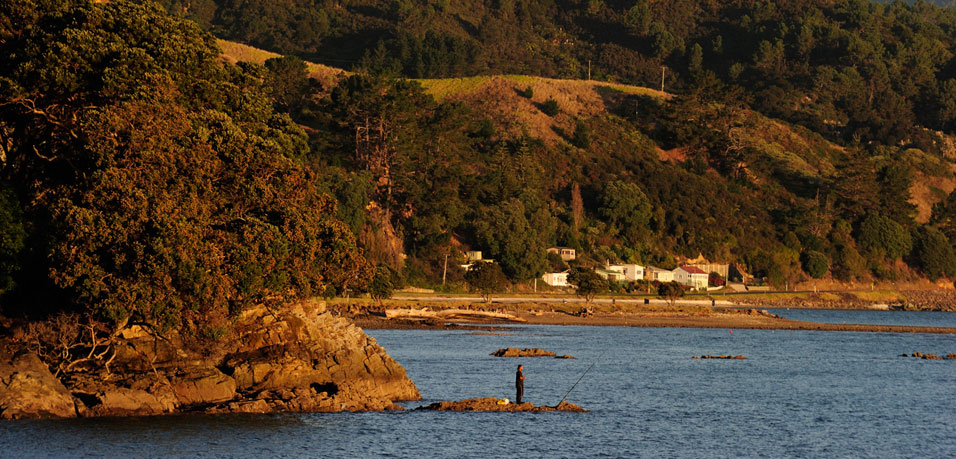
[(799, 394)]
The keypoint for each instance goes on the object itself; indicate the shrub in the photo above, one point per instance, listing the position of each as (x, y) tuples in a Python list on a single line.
[(582, 135), (670, 291), (934, 254), (381, 287), (850, 265), (815, 263), (882, 236), (550, 107), (527, 93)]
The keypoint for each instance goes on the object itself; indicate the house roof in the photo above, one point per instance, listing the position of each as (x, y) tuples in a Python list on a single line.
[(692, 270)]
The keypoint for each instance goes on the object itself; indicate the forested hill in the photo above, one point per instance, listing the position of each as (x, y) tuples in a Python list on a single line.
[(794, 123), (142, 175), (853, 68)]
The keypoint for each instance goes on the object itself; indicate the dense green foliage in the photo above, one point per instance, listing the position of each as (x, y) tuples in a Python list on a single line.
[(381, 286), (144, 179), (815, 263), (858, 82), (882, 236), (155, 183), (935, 254), (854, 69)]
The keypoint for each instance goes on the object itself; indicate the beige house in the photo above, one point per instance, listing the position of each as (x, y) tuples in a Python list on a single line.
[(691, 276), (566, 253), (658, 274)]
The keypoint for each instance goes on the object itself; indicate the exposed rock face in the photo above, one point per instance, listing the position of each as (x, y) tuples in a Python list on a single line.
[(301, 359), (493, 404), (29, 390)]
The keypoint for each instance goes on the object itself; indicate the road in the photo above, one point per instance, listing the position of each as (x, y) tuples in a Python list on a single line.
[(553, 300)]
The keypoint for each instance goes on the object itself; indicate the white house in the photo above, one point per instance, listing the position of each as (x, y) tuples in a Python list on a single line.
[(692, 276), (631, 272), (612, 276), (657, 274), (556, 279)]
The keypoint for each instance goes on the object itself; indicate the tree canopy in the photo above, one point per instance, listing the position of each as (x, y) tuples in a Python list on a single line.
[(156, 182), (587, 283)]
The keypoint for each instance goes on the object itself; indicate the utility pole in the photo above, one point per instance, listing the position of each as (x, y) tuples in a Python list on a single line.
[(444, 271), (589, 69), (663, 69)]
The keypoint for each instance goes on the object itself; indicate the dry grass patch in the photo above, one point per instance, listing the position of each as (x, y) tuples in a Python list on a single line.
[(498, 97), (233, 52)]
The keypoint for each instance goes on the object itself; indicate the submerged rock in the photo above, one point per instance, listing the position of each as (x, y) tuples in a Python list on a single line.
[(299, 359), (494, 404), (920, 355)]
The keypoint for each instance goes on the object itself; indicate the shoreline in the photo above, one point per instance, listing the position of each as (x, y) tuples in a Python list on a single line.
[(727, 319)]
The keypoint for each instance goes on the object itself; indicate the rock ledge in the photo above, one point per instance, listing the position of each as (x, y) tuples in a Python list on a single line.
[(527, 352), (299, 359), (493, 404)]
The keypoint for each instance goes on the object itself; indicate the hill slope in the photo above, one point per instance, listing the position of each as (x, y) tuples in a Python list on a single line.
[(718, 179)]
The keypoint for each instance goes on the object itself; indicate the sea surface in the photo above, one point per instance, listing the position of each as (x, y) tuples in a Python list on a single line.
[(798, 394)]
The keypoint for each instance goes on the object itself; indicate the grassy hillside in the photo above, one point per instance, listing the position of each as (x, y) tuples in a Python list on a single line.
[(233, 52)]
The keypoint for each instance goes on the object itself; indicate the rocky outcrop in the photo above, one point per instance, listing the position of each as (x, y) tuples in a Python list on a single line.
[(494, 404), (300, 359), (527, 352), (29, 390), (920, 355), (720, 357)]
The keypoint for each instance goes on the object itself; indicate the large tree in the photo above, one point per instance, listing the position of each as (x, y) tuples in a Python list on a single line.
[(626, 207), (587, 283), (511, 238), (934, 253)]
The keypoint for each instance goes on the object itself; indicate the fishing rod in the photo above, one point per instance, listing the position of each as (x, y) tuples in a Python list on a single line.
[(576, 383)]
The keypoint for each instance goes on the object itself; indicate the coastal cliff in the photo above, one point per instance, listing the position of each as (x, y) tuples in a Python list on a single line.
[(300, 359)]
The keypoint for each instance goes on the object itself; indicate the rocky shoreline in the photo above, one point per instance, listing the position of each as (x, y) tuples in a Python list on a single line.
[(300, 359), (635, 316), (905, 300)]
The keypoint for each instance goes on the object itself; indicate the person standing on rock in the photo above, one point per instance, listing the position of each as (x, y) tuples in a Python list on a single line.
[(519, 383)]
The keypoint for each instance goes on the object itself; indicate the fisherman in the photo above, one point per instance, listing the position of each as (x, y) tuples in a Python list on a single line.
[(519, 383)]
